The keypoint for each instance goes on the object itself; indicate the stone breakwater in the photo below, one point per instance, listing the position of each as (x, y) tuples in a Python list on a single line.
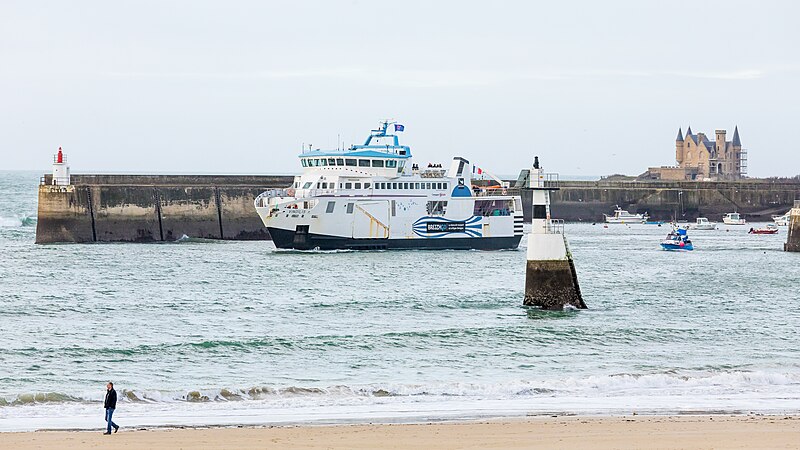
[(152, 208), (587, 201)]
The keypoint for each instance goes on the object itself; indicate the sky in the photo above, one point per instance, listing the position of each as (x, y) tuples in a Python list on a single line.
[(592, 88)]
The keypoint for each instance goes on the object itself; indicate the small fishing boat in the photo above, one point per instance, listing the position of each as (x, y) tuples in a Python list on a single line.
[(622, 216), (677, 240), (771, 228), (783, 220), (733, 218), (703, 223)]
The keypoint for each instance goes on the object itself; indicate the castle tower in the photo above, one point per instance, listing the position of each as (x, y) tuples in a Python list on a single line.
[(679, 148), (720, 143), (550, 278), (60, 169)]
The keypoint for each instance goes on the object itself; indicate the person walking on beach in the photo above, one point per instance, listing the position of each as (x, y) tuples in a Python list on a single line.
[(110, 405)]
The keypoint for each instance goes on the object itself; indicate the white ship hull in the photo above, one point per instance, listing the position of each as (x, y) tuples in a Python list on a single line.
[(371, 222)]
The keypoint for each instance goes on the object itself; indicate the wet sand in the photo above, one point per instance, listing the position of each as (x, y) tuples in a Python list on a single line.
[(663, 432)]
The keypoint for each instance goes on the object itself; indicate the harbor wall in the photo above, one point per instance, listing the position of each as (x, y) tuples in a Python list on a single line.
[(152, 208), (587, 201)]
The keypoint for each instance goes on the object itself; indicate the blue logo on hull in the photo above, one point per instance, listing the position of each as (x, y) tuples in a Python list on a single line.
[(436, 227)]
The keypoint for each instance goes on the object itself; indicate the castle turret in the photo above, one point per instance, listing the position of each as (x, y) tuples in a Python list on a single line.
[(60, 169), (719, 145), (679, 148)]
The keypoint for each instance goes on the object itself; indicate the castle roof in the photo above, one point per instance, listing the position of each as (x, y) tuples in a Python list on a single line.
[(690, 135), (736, 141), (680, 135)]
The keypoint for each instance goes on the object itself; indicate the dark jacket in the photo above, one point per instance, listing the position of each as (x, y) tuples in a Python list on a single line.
[(111, 400)]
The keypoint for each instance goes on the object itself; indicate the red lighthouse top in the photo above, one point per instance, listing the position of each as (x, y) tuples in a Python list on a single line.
[(60, 158)]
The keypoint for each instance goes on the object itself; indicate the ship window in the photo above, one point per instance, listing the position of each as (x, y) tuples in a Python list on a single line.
[(394, 185), (331, 162), (339, 161), (349, 208), (366, 185), (436, 208), (350, 162), (539, 212), (330, 207), (319, 185), (307, 185), (324, 185), (363, 163), (405, 185), (391, 163), (427, 185), (394, 210), (304, 162), (377, 163), (416, 185), (358, 186), (348, 185), (438, 185), (323, 162)]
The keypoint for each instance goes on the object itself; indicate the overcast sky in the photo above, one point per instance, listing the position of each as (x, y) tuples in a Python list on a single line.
[(593, 88)]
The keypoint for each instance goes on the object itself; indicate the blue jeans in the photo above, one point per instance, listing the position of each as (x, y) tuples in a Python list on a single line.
[(109, 413)]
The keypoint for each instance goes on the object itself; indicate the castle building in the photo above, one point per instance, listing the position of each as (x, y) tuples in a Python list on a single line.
[(700, 158)]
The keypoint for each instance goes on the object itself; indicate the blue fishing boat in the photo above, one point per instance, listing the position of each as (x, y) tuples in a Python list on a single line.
[(677, 240)]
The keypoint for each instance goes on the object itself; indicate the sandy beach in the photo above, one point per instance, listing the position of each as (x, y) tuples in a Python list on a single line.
[(662, 432)]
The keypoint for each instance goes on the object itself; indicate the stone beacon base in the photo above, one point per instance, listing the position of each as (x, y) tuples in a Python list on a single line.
[(152, 208), (793, 236), (552, 285)]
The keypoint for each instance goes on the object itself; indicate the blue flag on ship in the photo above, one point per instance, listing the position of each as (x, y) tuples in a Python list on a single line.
[(398, 127)]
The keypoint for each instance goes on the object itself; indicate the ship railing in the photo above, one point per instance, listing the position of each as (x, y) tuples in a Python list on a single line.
[(432, 173), (494, 191)]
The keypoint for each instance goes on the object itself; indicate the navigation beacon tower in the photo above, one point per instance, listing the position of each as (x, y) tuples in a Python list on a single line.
[(60, 169), (550, 278)]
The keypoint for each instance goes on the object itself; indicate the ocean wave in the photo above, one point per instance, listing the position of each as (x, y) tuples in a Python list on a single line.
[(614, 385), (17, 221)]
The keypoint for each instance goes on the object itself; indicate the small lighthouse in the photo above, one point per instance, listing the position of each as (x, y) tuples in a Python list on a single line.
[(550, 278), (60, 169)]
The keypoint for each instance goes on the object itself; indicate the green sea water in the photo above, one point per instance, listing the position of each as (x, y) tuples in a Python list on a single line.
[(205, 332)]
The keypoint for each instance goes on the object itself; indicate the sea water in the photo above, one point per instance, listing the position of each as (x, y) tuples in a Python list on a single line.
[(199, 332)]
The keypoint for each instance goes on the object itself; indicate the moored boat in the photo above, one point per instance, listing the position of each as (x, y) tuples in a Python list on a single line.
[(783, 220), (623, 216), (703, 223), (372, 197), (677, 239), (770, 228), (733, 218)]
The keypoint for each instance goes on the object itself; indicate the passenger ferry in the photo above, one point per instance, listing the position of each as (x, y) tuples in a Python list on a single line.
[(622, 216), (373, 196)]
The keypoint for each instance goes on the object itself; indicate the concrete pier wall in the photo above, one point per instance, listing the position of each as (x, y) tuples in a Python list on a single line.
[(152, 208), (793, 235), (587, 201)]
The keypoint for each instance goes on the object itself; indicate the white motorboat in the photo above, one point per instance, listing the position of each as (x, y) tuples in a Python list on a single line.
[(703, 223), (782, 221), (622, 216), (733, 218)]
